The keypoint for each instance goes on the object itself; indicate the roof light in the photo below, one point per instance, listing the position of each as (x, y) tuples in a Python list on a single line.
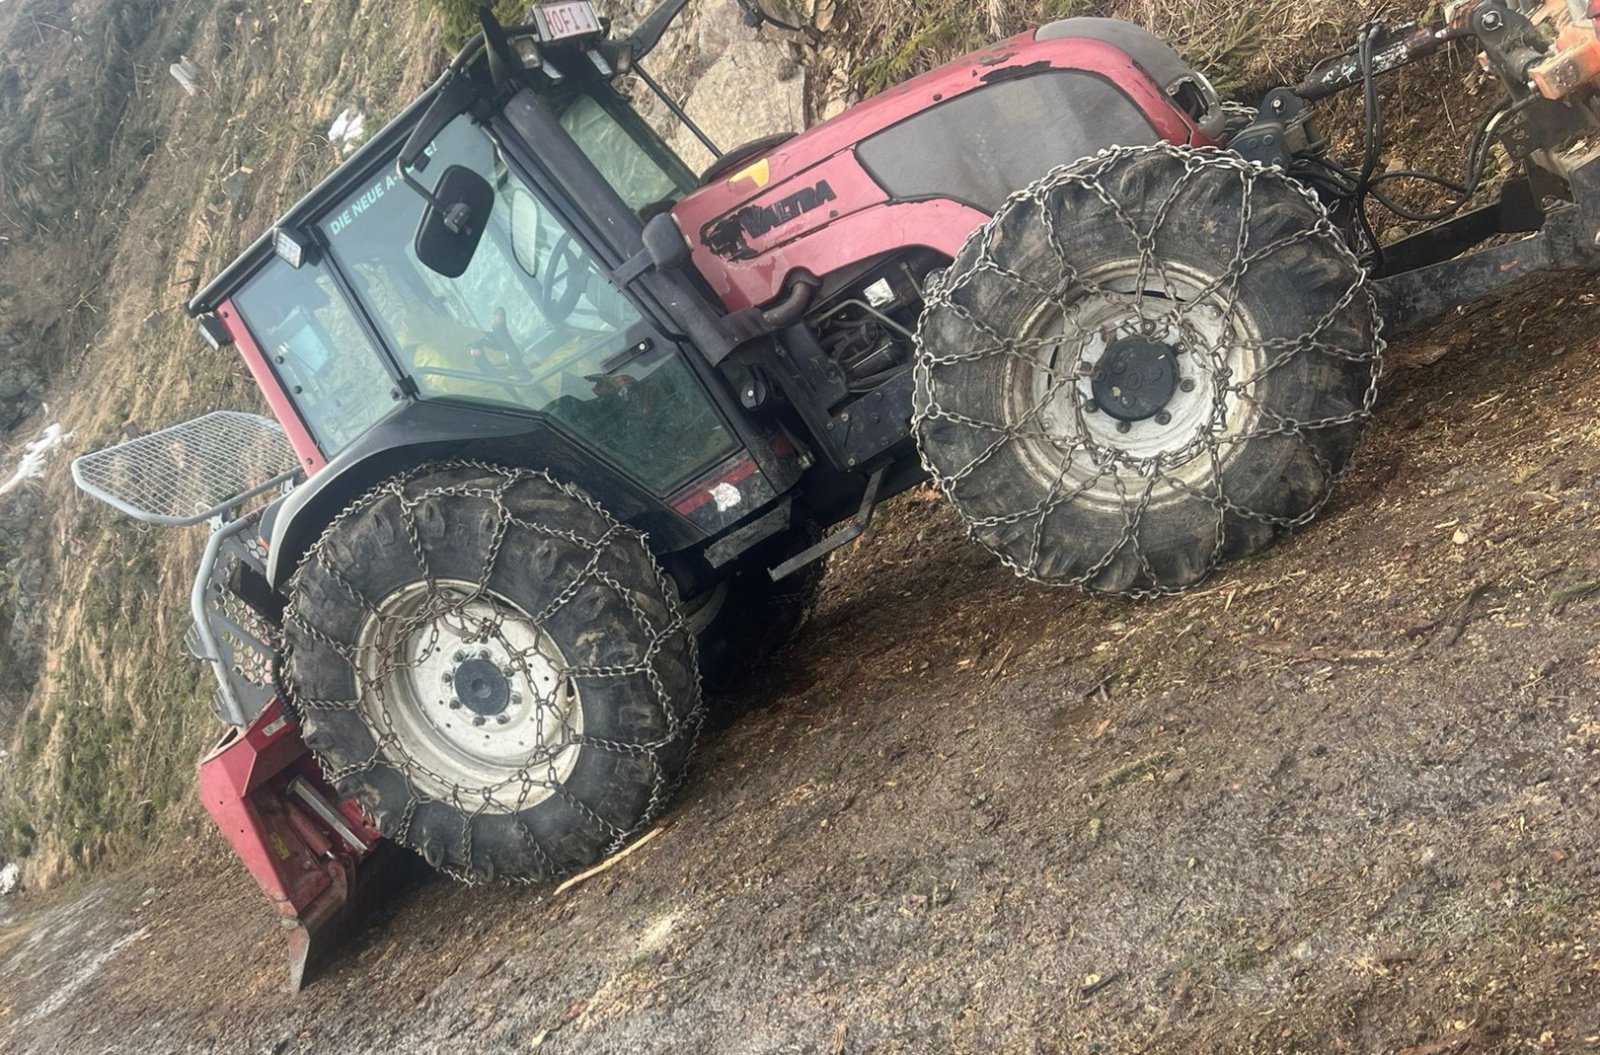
[(292, 246), (215, 331)]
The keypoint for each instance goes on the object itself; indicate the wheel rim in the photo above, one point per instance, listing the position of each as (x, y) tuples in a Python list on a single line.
[(1070, 444), (473, 694)]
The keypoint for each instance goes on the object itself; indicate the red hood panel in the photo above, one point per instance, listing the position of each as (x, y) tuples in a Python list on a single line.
[(754, 227)]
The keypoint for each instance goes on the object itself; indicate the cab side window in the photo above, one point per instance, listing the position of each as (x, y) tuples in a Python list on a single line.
[(321, 356)]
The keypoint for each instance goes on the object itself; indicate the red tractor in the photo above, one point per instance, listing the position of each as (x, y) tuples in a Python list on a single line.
[(562, 427)]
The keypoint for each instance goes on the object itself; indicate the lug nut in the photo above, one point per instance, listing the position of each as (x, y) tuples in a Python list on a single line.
[(455, 705), (1123, 426), (503, 719), (1187, 384), (477, 719), (516, 699), (447, 677), (483, 653), (460, 657), (1163, 418)]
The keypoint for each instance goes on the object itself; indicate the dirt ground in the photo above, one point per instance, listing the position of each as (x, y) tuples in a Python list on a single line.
[(1341, 798)]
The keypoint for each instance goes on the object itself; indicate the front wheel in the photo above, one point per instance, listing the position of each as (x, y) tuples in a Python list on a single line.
[(494, 668), (1146, 363)]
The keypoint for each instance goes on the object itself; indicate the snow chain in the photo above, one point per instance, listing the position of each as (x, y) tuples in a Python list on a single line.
[(539, 776), (1135, 479)]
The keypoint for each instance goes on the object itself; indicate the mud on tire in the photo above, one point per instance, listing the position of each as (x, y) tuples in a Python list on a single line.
[(1146, 363), (494, 667)]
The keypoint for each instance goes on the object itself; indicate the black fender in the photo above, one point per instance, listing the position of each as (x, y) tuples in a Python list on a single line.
[(1153, 55), (420, 432)]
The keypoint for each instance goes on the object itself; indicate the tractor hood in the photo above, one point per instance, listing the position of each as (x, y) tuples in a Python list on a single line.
[(925, 162)]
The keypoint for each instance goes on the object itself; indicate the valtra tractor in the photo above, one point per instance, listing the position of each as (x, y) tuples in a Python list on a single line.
[(563, 428)]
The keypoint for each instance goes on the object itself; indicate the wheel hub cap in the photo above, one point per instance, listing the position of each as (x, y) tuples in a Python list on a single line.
[(1135, 378), (1185, 352), (481, 687)]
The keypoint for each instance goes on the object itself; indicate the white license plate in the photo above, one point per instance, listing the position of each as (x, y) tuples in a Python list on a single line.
[(573, 19)]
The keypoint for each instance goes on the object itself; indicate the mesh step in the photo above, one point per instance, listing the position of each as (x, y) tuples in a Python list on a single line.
[(190, 472)]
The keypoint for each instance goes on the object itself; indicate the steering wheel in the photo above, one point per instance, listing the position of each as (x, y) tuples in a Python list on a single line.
[(565, 278)]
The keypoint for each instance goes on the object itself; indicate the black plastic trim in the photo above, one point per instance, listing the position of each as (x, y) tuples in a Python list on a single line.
[(421, 432)]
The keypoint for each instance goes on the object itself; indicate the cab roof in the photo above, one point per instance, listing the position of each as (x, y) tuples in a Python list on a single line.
[(471, 63)]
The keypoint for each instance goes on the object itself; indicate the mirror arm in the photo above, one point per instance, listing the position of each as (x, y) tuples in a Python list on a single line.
[(677, 111), (648, 35), (457, 217), (456, 95), (754, 17)]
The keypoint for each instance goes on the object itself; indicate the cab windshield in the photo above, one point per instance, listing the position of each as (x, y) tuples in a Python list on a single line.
[(533, 324), (639, 166)]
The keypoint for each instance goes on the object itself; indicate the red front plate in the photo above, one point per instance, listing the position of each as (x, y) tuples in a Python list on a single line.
[(244, 785)]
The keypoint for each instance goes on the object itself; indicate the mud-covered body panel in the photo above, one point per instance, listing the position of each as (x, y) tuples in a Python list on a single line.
[(811, 205)]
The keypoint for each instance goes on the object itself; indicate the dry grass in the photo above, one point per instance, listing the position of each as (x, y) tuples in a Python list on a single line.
[(1242, 46), (102, 758)]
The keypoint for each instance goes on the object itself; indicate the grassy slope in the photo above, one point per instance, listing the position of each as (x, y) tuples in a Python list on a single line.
[(1239, 44), (102, 758)]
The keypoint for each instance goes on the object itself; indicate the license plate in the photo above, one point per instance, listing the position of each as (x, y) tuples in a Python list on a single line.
[(560, 21)]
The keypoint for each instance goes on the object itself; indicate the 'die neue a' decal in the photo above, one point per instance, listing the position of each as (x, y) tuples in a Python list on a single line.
[(727, 237)]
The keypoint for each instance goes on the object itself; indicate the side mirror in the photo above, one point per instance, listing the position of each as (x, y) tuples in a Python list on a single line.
[(664, 249), (453, 225)]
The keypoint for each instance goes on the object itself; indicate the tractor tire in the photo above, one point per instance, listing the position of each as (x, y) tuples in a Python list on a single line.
[(1146, 363), (494, 668), (753, 619)]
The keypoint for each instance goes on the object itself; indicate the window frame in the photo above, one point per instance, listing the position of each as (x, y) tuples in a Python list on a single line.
[(651, 321), (398, 394)]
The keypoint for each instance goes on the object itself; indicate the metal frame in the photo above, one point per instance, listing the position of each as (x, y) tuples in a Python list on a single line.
[(156, 462), (206, 648), (87, 469), (1425, 276)]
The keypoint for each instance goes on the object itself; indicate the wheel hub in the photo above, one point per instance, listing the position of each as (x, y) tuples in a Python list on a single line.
[(475, 695), (1178, 342), (481, 687), (1135, 378)]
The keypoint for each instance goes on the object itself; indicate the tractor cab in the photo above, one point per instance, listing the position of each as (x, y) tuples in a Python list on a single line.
[(483, 276), (530, 325)]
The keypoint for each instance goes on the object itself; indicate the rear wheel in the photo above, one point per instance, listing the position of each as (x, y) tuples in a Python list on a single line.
[(494, 667), (1147, 362)]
